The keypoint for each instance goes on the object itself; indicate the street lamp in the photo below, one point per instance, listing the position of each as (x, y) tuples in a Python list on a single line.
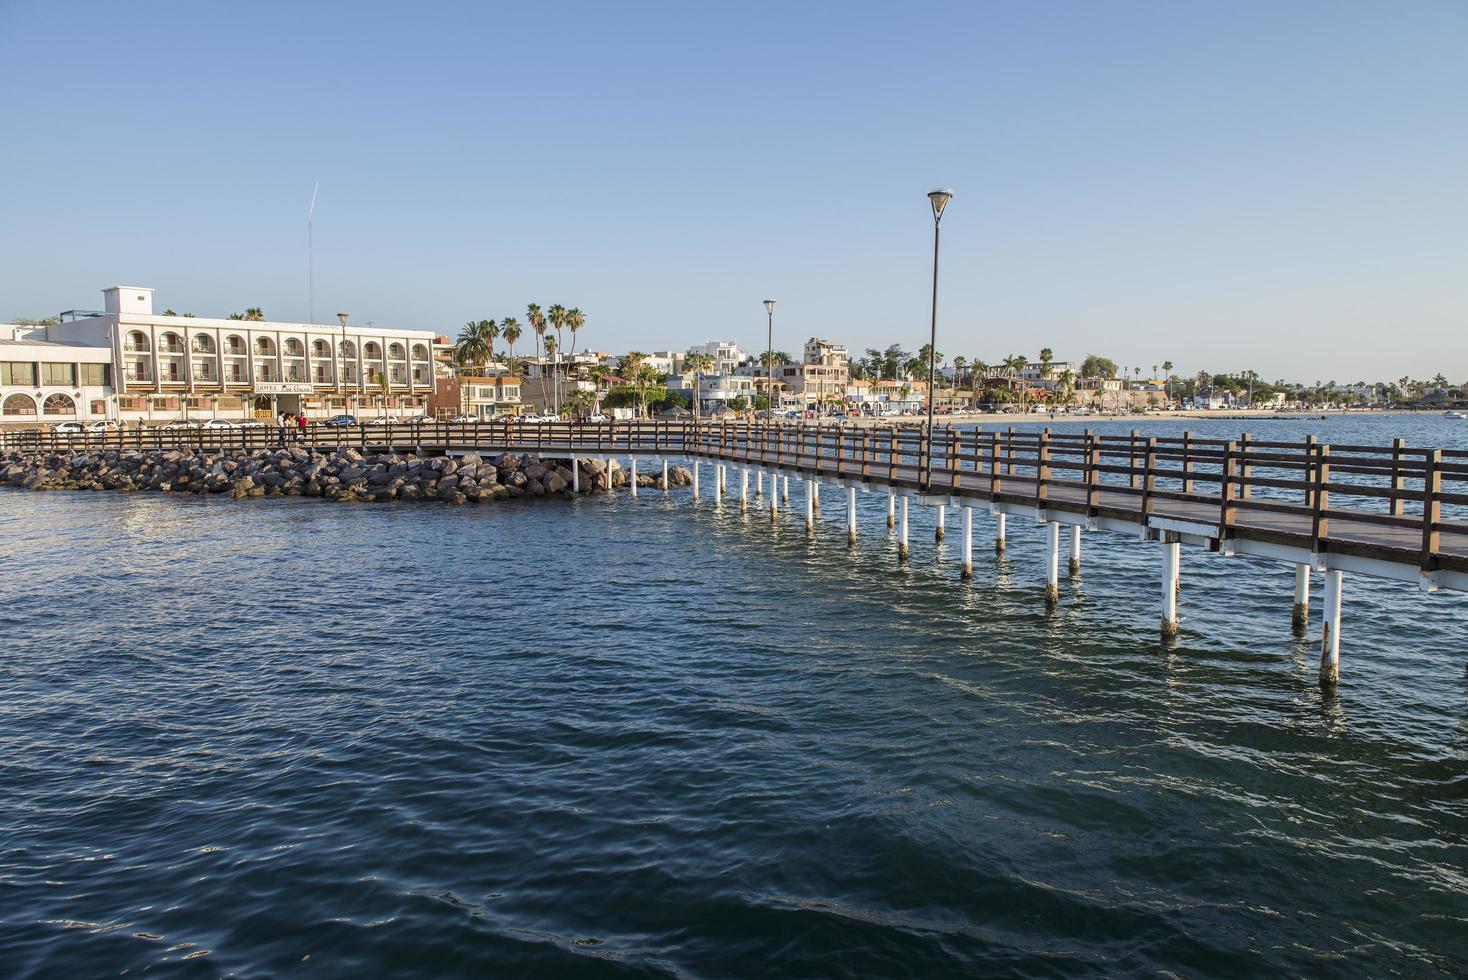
[(341, 355), (939, 200), (770, 360)]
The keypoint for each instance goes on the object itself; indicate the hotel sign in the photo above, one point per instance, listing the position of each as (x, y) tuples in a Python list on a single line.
[(284, 388)]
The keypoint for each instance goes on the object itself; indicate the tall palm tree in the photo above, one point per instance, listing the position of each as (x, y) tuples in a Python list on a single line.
[(537, 323), (1167, 374), (491, 334), (698, 364), (510, 329), (575, 320), (556, 314), (1046, 356), (473, 346), (959, 363)]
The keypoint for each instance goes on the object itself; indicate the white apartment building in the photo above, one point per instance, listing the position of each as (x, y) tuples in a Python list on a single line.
[(167, 367), (726, 355), (45, 382)]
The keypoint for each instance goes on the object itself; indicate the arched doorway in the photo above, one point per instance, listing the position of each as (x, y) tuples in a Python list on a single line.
[(59, 404), (18, 405)]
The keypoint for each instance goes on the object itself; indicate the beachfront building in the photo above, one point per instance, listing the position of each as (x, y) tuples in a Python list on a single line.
[(726, 354), (42, 382), (717, 391), (165, 366)]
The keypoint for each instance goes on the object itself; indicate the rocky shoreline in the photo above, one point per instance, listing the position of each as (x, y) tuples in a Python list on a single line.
[(346, 475)]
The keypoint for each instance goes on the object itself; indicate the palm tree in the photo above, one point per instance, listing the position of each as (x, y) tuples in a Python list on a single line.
[(1046, 356), (491, 334), (557, 316), (474, 345), (959, 363), (575, 320), (510, 328), (384, 389), (1067, 386), (537, 323), (1167, 373)]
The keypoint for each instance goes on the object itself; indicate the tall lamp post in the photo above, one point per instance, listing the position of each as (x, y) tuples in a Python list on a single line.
[(341, 357), (939, 200), (770, 361)]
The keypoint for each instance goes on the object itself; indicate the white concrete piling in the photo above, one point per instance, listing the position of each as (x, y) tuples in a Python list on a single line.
[(1052, 564), (1300, 617), (851, 516), (666, 484), (938, 530), (1330, 629), (775, 498), (1075, 549), (1171, 557), (999, 531), (575, 476), (695, 478), (902, 533), (967, 571), (787, 491), (891, 508), (810, 507), (633, 481), (759, 483), (744, 488)]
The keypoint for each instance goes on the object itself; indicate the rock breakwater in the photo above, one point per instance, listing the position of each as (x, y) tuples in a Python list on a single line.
[(345, 475)]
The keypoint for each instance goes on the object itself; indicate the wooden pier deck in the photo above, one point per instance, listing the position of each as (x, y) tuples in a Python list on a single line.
[(1388, 511)]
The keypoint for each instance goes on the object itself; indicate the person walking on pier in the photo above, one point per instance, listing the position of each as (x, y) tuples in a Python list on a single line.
[(301, 427)]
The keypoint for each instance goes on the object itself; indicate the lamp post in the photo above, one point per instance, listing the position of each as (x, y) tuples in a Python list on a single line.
[(770, 361), (341, 356), (939, 200)]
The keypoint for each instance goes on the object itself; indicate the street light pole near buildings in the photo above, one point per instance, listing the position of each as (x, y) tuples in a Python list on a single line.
[(939, 200), (770, 359), (341, 356)]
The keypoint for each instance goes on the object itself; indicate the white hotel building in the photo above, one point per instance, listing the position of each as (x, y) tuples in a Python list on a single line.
[(129, 363)]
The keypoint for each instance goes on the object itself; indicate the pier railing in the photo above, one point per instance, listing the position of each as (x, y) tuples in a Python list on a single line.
[(1391, 501)]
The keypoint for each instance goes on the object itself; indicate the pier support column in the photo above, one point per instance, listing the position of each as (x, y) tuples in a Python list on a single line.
[(817, 484), (999, 532), (1052, 565), (902, 533), (938, 531), (1171, 557), (575, 475), (891, 509), (774, 498), (787, 491), (851, 516), (810, 507), (744, 489), (759, 483), (1300, 618), (723, 481), (633, 481), (1330, 630), (666, 484), (967, 572), (1075, 549), (695, 477)]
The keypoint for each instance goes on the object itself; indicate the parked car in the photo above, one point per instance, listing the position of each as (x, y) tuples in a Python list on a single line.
[(341, 420), (250, 424), (383, 420), (464, 420), (598, 417), (181, 424), (74, 427), (416, 420), (219, 424)]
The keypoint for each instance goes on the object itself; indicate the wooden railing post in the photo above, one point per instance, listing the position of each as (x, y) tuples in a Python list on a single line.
[(1432, 484), (1134, 479), (1320, 519), (892, 454), (1394, 505), (1309, 477), (995, 447), (1246, 468), (1149, 479), (954, 478), (866, 452), (1226, 489), (1092, 471), (1187, 462), (1042, 470)]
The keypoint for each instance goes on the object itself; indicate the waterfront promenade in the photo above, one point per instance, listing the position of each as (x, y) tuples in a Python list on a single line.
[(1393, 512)]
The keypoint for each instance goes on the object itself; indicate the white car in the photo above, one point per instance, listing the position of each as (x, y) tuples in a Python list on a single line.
[(74, 427), (597, 417), (464, 420), (219, 424), (181, 424), (250, 424), (383, 420)]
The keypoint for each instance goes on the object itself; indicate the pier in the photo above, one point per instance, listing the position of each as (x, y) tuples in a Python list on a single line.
[(1392, 512)]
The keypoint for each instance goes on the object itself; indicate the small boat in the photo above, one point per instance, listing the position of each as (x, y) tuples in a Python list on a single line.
[(1454, 415)]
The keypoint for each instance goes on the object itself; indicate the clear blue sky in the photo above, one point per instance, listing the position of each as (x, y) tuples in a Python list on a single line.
[(1273, 185)]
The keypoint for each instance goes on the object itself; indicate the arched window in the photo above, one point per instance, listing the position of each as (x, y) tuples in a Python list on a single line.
[(292, 347), (59, 404), (395, 351), (320, 348), (19, 405), (234, 344), (420, 353), (372, 351), (203, 343), (170, 342), (264, 345), (349, 349), (137, 340)]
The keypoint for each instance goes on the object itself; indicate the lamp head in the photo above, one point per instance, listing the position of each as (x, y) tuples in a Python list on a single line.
[(769, 306), (939, 199), (343, 318)]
